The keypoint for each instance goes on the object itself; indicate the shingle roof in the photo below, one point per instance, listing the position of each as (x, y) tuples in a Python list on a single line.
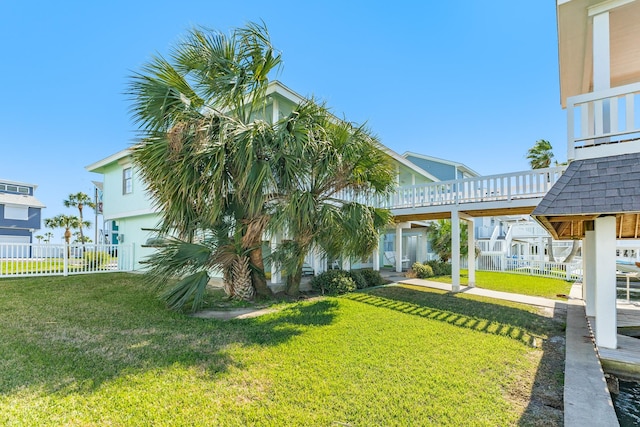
[(603, 185), (20, 200)]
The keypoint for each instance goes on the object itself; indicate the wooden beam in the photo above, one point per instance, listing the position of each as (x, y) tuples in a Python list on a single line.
[(636, 233)]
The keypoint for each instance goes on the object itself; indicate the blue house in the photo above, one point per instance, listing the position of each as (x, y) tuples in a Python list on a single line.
[(20, 212)]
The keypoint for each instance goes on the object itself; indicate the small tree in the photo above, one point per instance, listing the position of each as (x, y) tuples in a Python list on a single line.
[(39, 238), (439, 235), (80, 200), (48, 236)]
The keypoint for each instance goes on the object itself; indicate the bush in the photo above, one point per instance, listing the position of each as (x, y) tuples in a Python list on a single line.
[(422, 271), (95, 260), (358, 279), (440, 268), (373, 278), (334, 282)]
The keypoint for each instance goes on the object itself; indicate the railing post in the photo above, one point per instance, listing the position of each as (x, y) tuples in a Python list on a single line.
[(65, 260)]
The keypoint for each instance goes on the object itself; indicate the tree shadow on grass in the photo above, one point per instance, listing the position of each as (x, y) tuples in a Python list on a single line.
[(544, 405), (483, 316), (77, 354)]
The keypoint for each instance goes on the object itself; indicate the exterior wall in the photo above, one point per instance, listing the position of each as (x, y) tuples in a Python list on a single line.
[(32, 223), (408, 177), (441, 171), (134, 231), (115, 203)]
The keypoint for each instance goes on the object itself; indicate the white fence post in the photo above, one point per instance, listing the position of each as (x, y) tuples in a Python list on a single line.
[(65, 260)]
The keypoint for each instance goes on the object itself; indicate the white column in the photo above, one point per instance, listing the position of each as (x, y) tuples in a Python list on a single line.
[(605, 283), (455, 250), (471, 255), (589, 272), (601, 52), (346, 263), (398, 248), (376, 256), (276, 275)]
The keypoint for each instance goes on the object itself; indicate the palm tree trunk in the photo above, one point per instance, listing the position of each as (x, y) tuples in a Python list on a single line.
[(574, 250), (293, 280), (242, 278), (257, 274), (550, 249)]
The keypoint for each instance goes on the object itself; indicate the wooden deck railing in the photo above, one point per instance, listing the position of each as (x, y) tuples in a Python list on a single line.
[(602, 118), (505, 187)]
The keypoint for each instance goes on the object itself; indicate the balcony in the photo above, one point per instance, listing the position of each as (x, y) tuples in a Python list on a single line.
[(604, 123), (529, 184)]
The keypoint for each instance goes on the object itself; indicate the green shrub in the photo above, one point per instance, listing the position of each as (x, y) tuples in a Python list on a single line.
[(334, 282), (94, 260), (373, 278), (422, 271), (440, 268), (358, 279)]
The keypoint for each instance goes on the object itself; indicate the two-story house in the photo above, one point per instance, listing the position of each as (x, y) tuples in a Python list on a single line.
[(20, 214), (130, 216)]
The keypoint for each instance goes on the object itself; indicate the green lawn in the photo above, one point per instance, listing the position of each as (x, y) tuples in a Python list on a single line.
[(101, 350), (516, 283)]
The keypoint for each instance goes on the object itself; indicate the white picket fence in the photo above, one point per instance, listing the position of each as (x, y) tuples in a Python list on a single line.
[(22, 260), (501, 262)]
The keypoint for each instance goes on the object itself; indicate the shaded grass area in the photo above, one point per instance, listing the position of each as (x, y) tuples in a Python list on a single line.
[(101, 350), (516, 283)]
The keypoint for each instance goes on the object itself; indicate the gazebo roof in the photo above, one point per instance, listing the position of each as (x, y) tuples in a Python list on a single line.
[(591, 188)]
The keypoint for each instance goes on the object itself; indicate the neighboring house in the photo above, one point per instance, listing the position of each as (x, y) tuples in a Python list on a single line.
[(128, 212), (130, 216), (443, 170), (20, 214), (597, 200)]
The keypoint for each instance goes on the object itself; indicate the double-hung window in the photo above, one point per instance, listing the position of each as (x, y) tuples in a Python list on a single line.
[(127, 181)]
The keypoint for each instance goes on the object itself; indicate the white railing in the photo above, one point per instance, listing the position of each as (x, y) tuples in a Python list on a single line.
[(603, 117), (500, 262), (505, 187), (21, 260), (529, 229)]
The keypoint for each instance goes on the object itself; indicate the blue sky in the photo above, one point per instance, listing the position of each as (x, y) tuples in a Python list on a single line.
[(470, 81)]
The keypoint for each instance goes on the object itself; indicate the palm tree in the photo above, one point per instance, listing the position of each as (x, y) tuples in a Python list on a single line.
[(68, 222), (48, 236), (203, 156), (439, 236), (323, 168), (79, 200), (39, 238), (540, 155), (213, 163)]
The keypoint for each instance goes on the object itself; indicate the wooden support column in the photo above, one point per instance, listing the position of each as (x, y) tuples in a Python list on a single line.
[(471, 254), (605, 284), (589, 272), (376, 256), (455, 251), (398, 248)]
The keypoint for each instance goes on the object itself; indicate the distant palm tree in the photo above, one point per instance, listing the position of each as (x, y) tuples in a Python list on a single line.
[(39, 238), (47, 237), (80, 200), (68, 222), (540, 155)]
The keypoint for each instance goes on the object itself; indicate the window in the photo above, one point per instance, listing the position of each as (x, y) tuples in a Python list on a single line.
[(16, 212), (127, 181)]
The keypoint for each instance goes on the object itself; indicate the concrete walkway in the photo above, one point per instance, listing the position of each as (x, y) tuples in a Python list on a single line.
[(587, 401), (524, 299)]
